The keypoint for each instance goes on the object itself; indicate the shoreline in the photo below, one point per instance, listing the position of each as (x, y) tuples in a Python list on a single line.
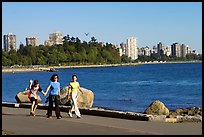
[(41, 69)]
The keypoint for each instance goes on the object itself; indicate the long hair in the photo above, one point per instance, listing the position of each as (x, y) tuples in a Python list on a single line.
[(52, 77)]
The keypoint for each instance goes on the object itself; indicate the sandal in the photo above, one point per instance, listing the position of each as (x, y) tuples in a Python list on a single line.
[(32, 114)]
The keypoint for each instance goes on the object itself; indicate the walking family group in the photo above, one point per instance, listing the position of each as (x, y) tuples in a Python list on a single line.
[(53, 89)]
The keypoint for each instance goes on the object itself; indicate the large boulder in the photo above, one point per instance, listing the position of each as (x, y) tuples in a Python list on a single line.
[(22, 97), (157, 108), (84, 100)]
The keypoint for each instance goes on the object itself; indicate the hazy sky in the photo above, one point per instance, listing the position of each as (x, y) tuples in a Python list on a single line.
[(112, 22)]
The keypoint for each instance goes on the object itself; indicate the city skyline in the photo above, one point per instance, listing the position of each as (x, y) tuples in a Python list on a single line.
[(112, 22)]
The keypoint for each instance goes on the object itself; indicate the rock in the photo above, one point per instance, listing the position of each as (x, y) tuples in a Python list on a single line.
[(197, 118), (22, 97), (84, 100), (186, 112), (157, 108)]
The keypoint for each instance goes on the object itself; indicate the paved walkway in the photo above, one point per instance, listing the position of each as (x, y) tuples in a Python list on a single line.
[(18, 122)]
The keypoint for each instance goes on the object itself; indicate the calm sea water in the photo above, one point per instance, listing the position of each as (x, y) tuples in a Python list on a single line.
[(124, 88)]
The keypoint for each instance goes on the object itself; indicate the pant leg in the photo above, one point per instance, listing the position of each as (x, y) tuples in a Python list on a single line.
[(71, 105), (50, 106), (76, 109), (57, 109)]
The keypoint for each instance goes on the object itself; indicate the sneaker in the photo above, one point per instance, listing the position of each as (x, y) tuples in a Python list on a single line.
[(78, 117), (59, 117), (49, 116), (70, 114)]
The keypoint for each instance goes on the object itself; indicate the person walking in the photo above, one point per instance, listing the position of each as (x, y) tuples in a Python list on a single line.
[(54, 96), (34, 87), (73, 88)]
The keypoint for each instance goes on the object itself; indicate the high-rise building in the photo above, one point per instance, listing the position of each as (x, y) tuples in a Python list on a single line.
[(160, 48), (131, 48), (167, 50), (9, 42), (176, 49), (146, 51), (188, 50), (55, 38), (183, 50), (33, 41)]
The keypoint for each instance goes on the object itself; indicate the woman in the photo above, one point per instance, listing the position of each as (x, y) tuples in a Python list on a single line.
[(34, 88), (54, 96), (73, 92)]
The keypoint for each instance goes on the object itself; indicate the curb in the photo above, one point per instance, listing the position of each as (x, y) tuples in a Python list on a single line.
[(89, 111), (112, 113)]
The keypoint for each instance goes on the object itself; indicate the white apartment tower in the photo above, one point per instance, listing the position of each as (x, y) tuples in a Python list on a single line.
[(33, 41), (131, 48), (9, 42), (55, 38)]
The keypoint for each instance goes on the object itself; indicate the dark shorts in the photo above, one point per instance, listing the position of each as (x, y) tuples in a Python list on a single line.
[(32, 99)]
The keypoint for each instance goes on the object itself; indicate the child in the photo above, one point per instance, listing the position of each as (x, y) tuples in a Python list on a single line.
[(33, 95)]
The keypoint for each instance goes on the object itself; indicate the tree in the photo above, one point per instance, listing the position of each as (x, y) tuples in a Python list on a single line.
[(66, 40)]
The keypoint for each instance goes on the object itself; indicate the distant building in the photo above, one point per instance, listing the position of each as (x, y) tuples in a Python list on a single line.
[(167, 50), (55, 38), (188, 50), (33, 41), (147, 51), (9, 42), (122, 48), (144, 51), (183, 50), (154, 49), (160, 48), (131, 48), (176, 49)]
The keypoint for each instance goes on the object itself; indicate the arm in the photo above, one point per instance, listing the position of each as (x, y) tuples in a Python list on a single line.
[(31, 81), (43, 93), (58, 88), (69, 90), (80, 89), (40, 89), (59, 91), (48, 88)]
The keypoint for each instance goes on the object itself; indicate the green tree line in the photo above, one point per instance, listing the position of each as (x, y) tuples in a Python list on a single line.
[(71, 52), (75, 52)]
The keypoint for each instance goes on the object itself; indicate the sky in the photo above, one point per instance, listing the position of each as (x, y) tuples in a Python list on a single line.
[(111, 22)]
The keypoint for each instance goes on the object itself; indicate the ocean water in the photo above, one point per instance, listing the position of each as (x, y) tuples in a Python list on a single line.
[(124, 88)]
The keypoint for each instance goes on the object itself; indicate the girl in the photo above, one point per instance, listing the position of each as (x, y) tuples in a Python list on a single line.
[(33, 95)]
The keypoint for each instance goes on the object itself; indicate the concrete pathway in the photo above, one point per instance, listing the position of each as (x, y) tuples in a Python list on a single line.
[(19, 122)]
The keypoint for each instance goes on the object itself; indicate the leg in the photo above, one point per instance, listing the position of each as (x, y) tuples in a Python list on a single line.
[(50, 106), (71, 107), (36, 105), (76, 109), (57, 109), (32, 105)]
